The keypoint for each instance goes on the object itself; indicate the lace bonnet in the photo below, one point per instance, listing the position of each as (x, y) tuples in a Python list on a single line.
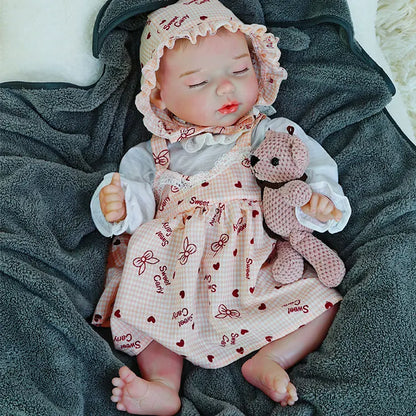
[(190, 19)]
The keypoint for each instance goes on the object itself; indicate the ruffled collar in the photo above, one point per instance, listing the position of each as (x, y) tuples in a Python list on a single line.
[(197, 142)]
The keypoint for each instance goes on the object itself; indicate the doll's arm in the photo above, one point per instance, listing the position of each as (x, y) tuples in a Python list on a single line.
[(136, 177)]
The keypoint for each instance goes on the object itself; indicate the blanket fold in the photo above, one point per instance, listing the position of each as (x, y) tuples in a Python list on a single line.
[(57, 143)]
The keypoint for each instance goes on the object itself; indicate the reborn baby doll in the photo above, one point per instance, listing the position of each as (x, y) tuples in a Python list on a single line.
[(195, 281)]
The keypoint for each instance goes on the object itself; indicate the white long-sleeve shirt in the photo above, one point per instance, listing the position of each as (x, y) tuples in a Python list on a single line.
[(195, 155)]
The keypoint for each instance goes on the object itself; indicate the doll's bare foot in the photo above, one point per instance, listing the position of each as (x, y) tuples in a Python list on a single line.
[(141, 397), (263, 372)]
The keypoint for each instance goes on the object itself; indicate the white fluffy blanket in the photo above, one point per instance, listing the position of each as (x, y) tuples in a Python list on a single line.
[(396, 33)]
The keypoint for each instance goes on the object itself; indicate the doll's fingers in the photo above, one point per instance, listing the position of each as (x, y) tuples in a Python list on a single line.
[(112, 189), (325, 205), (336, 214), (313, 203), (113, 197), (114, 216), (328, 208), (306, 208), (116, 206), (115, 180), (114, 211)]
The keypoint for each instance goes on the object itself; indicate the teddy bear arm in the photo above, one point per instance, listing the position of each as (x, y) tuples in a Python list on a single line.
[(296, 193)]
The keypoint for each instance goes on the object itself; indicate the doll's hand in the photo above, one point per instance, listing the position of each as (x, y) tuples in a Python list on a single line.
[(112, 201), (321, 208)]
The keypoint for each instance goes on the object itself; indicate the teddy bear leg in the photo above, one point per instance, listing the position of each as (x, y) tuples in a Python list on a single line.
[(288, 265), (326, 262)]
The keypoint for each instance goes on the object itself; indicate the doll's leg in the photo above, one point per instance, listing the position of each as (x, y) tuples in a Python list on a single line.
[(266, 370), (157, 392)]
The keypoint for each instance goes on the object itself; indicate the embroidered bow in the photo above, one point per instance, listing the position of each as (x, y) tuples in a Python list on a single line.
[(140, 262), (188, 249), (162, 158), (219, 245), (224, 312)]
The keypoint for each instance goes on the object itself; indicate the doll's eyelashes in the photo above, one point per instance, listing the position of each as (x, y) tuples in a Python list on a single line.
[(200, 84), (274, 161), (243, 71)]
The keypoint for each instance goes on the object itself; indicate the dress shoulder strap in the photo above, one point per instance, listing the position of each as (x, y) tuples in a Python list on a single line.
[(160, 153), (245, 139)]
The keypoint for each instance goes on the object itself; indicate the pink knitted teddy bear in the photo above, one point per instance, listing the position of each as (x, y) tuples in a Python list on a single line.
[(279, 165)]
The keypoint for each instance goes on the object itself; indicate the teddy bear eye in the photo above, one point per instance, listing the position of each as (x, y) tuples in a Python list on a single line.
[(275, 161)]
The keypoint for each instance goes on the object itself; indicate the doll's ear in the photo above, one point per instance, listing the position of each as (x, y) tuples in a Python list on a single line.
[(300, 153), (156, 98)]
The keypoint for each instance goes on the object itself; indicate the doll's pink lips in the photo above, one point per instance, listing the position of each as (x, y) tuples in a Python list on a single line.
[(229, 108)]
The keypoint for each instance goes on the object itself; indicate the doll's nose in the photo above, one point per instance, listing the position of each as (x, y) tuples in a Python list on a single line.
[(225, 86), (254, 160)]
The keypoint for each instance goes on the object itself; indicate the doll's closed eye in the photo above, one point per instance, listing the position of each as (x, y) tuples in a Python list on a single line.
[(240, 72), (199, 84)]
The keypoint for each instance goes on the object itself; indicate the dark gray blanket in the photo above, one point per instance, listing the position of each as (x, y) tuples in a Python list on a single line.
[(56, 143)]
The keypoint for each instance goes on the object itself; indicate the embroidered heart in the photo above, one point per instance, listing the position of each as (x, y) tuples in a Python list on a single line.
[(328, 305), (235, 293), (268, 338), (290, 129), (235, 252), (203, 17), (262, 307), (240, 350), (97, 317), (204, 184), (180, 343), (151, 319), (252, 241), (182, 294), (244, 331), (117, 313), (216, 266), (251, 289), (238, 184), (210, 358), (255, 213)]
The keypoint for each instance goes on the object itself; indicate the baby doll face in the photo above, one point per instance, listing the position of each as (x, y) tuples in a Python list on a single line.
[(212, 83)]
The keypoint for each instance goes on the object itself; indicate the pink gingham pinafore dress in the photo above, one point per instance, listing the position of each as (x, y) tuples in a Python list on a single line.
[(197, 278)]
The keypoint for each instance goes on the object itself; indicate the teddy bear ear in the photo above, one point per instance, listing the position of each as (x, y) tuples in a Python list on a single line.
[(300, 154)]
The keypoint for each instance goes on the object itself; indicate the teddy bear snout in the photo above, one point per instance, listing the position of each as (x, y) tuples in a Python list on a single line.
[(253, 160)]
